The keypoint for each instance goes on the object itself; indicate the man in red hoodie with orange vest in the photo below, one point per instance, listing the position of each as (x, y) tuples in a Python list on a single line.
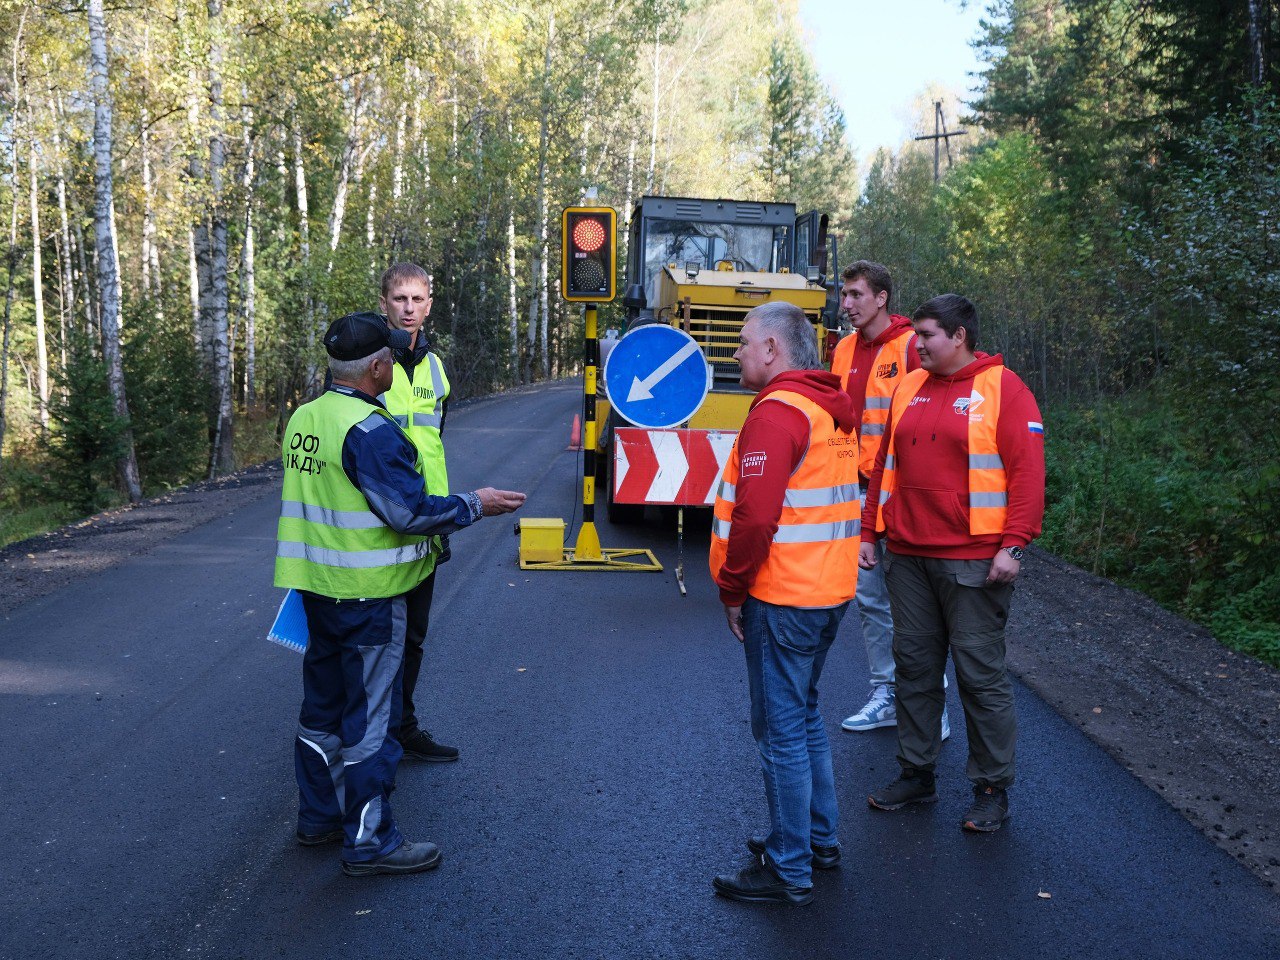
[(870, 363), (958, 490), (784, 549)]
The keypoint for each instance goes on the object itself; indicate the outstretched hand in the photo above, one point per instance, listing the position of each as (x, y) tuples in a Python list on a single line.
[(494, 502)]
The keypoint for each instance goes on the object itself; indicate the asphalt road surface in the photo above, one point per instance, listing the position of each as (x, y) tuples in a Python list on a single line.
[(607, 773)]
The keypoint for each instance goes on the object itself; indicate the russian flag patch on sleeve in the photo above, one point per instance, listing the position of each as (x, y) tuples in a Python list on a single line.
[(1035, 427)]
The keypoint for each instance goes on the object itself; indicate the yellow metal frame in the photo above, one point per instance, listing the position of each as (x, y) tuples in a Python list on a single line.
[(610, 558)]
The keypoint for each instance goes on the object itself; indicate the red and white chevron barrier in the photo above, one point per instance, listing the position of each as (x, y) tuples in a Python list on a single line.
[(669, 466)]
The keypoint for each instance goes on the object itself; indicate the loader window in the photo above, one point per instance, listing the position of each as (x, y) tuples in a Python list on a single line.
[(750, 247)]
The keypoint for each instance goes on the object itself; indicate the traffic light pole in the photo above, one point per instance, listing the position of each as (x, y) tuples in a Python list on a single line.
[(588, 543)]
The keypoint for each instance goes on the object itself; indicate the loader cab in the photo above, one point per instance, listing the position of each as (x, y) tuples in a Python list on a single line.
[(698, 235)]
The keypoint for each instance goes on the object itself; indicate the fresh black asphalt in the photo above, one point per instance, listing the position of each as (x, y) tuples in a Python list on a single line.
[(607, 773)]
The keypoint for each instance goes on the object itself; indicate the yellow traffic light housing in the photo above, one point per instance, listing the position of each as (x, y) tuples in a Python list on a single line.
[(589, 249)]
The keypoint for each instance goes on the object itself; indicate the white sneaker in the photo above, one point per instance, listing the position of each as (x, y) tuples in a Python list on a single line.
[(880, 711), (946, 724)]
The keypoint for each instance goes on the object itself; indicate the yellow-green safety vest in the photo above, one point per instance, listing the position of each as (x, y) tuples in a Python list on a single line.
[(328, 540), (417, 407)]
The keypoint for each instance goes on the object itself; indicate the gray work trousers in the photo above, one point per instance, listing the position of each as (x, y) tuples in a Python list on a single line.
[(940, 606)]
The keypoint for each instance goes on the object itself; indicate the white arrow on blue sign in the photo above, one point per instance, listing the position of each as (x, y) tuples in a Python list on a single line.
[(656, 376)]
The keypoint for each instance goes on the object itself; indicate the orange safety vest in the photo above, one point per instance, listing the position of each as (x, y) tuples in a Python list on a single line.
[(887, 370), (988, 485), (813, 560)]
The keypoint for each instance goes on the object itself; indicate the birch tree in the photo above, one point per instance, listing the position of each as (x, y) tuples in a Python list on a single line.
[(104, 232)]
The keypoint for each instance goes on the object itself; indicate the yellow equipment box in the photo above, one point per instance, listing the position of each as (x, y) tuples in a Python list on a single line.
[(541, 539)]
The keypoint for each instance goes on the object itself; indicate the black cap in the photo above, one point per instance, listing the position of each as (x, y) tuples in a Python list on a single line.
[(359, 335)]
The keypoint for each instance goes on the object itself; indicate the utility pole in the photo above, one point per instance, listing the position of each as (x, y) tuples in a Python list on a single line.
[(941, 138)]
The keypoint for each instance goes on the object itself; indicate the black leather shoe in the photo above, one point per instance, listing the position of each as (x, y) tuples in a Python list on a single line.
[(420, 746), (989, 811), (409, 857), (824, 858), (759, 884), (320, 839)]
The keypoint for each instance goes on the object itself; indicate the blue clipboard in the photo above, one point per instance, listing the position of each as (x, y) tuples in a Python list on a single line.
[(290, 628)]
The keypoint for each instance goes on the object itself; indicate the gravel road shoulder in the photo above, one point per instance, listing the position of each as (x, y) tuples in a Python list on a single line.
[(1195, 722)]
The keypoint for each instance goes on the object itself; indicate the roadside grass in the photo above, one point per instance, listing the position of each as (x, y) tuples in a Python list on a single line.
[(30, 504)]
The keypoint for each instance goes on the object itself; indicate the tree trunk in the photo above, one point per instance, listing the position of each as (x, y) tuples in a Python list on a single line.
[(248, 285), (1258, 17), (37, 285), (304, 240), (514, 365), (222, 455), (653, 127), (349, 152), (12, 258), (104, 228), (540, 263)]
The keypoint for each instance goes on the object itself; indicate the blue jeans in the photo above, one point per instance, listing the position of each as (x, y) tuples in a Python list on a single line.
[(786, 648), (876, 616)]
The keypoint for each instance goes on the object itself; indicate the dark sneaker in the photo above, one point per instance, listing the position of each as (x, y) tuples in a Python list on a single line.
[(759, 884), (419, 746), (409, 857), (989, 811), (915, 787), (321, 838), (824, 858)]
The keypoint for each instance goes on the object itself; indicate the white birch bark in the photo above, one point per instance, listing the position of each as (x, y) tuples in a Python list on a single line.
[(66, 272), (104, 228), (248, 285), (540, 262), (11, 258), (653, 127), (349, 153), (513, 367), (222, 456), (37, 283)]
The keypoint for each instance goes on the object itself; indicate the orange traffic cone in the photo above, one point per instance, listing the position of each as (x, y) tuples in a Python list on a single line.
[(575, 434)]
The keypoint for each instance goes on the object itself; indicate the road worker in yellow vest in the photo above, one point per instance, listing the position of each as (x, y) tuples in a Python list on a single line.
[(354, 539), (958, 493), (784, 543), (870, 363), (417, 400)]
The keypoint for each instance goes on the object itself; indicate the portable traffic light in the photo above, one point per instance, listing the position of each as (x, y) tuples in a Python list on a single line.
[(588, 244)]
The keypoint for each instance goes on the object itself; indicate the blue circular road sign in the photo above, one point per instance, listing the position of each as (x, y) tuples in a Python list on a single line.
[(656, 376)]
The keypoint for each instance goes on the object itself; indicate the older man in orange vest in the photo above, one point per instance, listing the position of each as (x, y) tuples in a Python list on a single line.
[(784, 544), (870, 363), (958, 492)]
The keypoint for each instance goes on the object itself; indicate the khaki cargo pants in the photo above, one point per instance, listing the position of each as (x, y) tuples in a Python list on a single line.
[(940, 605)]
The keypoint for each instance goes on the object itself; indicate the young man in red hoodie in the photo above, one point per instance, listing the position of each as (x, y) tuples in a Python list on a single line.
[(958, 491), (784, 548), (870, 363)]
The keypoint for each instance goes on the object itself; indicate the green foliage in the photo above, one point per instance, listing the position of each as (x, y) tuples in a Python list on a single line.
[(166, 400), (87, 436), (1133, 495)]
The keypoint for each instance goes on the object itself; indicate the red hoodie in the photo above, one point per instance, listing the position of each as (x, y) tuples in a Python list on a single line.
[(780, 433), (856, 355), (928, 515)]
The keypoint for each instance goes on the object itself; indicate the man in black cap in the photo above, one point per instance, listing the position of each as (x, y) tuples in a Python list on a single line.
[(354, 537)]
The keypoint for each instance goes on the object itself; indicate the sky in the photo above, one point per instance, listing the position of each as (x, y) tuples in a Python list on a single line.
[(878, 56)]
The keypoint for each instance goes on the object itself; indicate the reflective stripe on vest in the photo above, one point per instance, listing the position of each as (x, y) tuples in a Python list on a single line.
[(888, 367), (329, 541), (813, 558), (420, 417), (988, 484)]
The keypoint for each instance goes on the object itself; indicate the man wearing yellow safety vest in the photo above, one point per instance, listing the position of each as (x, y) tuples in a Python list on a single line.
[(784, 544), (355, 536), (417, 399), (958, 491), (870, 363)]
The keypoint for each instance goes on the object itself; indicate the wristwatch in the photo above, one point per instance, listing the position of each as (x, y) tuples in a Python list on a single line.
[(1016, 552)]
